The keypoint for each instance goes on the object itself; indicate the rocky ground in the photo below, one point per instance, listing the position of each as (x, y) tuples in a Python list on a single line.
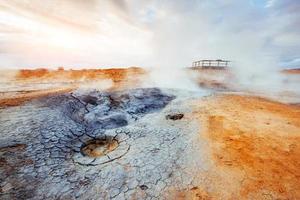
[(148, 143)]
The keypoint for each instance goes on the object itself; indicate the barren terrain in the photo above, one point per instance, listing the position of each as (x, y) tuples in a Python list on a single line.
[(98, 134)]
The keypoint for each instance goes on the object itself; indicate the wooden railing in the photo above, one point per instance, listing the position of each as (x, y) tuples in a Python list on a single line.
[(211, 64)]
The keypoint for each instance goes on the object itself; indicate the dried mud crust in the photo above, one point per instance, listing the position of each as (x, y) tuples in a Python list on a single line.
[(47, 137), (255, 147)]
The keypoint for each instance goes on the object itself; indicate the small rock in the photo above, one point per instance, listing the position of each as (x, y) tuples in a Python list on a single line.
[(175, 116)]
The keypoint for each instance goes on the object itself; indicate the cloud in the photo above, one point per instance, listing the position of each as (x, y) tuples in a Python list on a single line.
[(159, 33), (270, 3)]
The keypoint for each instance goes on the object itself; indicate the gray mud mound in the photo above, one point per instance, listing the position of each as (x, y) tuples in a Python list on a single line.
[(96, 145)]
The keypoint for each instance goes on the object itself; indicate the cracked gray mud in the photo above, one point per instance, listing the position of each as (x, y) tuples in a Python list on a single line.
[(91, 145)]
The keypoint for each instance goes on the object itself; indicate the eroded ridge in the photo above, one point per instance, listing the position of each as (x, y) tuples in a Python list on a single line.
[(51, 164)]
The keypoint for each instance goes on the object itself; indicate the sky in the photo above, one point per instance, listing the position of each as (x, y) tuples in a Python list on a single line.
[(254, 34)]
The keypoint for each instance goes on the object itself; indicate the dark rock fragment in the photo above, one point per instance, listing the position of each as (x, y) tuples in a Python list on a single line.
[(90, 100), (177, 116)]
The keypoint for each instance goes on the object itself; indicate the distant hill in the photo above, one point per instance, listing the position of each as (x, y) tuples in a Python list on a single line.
[(292, 71)]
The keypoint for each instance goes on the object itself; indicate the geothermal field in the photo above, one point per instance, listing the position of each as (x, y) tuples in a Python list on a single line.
[(149, 100), (130, 134)]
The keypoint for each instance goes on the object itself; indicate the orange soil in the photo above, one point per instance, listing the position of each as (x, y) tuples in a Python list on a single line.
[(194, 193), (19, 99), (291, 71), (255, 141), (116, 74), (120, 77)]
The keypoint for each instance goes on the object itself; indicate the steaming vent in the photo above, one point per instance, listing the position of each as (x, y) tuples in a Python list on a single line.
[(211, 64)]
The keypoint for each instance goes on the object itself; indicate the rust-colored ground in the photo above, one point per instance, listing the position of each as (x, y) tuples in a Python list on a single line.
[(116, 74), (20, 98), (195, 193), (255, 142)]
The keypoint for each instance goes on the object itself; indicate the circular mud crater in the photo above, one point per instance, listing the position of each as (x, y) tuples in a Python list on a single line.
[(101, 150), (99, 147)]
